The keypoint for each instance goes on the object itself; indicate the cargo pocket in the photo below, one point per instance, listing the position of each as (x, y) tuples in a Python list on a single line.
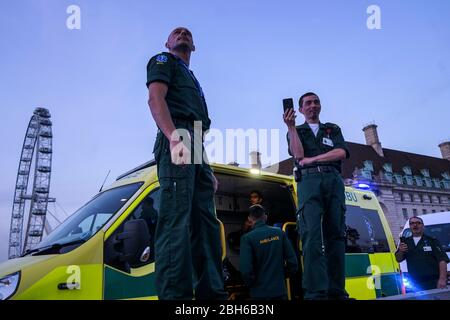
[(173, 200)]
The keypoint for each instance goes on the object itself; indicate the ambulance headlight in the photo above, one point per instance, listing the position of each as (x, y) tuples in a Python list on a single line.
[(8, 285)]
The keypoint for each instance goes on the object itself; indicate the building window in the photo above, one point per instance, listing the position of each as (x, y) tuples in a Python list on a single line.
[(418, 180), (366, 174), (425, 172), (398, 178), (405, 213), (433, 211), (388, 176), (415, 212), (428, 182), (424, 211), (368, 165), (411, 197), (388, 168), (407, 170), (409, 180), (446, 181), (367, 170), (437, 183)]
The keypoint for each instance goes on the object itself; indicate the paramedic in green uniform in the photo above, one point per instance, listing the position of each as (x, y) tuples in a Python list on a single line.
[(187, 241), (266, 256), (318, 150), (425, 258)]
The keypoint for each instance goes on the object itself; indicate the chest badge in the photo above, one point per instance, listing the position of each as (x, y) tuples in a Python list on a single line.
[(427, 249), (328, 142)]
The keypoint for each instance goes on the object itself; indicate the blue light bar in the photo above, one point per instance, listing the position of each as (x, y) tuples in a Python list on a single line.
[(363, 186)]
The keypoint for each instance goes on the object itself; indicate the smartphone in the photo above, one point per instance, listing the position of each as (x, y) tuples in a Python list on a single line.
[(402, 239), (288, 104)]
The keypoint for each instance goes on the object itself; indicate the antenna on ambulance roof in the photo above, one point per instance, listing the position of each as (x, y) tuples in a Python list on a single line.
[(104, 181)]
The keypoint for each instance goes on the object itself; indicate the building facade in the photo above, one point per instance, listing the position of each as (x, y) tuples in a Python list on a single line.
[(406, 184)]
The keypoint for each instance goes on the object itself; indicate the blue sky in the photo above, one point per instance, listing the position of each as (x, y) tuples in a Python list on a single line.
[(250, 55)]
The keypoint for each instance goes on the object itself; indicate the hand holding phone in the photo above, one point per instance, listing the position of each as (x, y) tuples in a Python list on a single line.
[(289, 112), (288, 104), (403, 247)]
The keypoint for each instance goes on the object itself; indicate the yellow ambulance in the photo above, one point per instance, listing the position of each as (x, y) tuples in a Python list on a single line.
[(105, 249)]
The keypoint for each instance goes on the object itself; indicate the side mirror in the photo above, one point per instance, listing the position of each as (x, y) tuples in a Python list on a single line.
[(135, 240)]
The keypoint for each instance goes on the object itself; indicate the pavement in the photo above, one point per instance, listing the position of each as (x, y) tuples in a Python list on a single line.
[(435, 294)]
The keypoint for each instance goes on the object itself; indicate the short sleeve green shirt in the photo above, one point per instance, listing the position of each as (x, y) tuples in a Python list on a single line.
[(328, 137), (184, 96), (423, 259)]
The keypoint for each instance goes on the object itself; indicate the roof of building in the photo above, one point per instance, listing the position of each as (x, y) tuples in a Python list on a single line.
[(398, 159)]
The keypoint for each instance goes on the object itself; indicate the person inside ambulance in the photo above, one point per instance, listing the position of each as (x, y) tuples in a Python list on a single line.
[(266, 256), (234, 238), (425, 258), (256, 197)]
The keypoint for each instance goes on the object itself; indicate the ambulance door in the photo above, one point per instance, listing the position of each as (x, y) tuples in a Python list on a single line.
[(125, 281)]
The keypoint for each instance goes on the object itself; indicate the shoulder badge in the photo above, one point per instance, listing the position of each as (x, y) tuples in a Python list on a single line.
[(161, 59)]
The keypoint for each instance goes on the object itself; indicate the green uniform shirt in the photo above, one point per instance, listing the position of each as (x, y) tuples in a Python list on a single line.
[(423, 259), (185, 97), (313, 146), (264, 251)]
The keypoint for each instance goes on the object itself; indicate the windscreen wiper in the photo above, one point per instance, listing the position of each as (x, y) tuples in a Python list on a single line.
[(54, 246)]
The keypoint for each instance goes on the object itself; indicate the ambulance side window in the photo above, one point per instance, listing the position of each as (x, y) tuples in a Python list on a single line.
[(364, 231), (146, 210)]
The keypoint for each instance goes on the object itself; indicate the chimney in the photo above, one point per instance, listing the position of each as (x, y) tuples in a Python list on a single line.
[(371, 135), (445, 149), (255, 159)]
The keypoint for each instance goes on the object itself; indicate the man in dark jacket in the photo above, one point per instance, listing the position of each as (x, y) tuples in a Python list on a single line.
[(266, 255), (426, 260)]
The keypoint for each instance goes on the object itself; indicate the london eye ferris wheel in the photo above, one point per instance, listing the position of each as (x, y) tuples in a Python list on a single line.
[(27, 230)]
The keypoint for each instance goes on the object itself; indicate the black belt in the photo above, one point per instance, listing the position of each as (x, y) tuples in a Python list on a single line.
[(318, 169)]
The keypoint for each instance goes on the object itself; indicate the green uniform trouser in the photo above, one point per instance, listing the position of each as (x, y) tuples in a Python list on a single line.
[(188, 253), (321, 224)]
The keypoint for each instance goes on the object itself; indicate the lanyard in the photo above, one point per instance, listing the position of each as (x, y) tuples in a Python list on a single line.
[(191, 74), (197, 84)]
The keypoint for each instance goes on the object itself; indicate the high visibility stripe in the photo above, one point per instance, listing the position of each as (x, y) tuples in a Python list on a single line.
[(384, 262), (357, 265), (119, 285), (357, 288), (390, 285)]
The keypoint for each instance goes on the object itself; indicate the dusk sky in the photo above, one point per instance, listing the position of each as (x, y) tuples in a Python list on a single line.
[(250, 55)]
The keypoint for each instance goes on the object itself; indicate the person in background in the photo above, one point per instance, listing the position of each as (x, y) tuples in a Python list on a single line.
[(425, 258), (266, 256)]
